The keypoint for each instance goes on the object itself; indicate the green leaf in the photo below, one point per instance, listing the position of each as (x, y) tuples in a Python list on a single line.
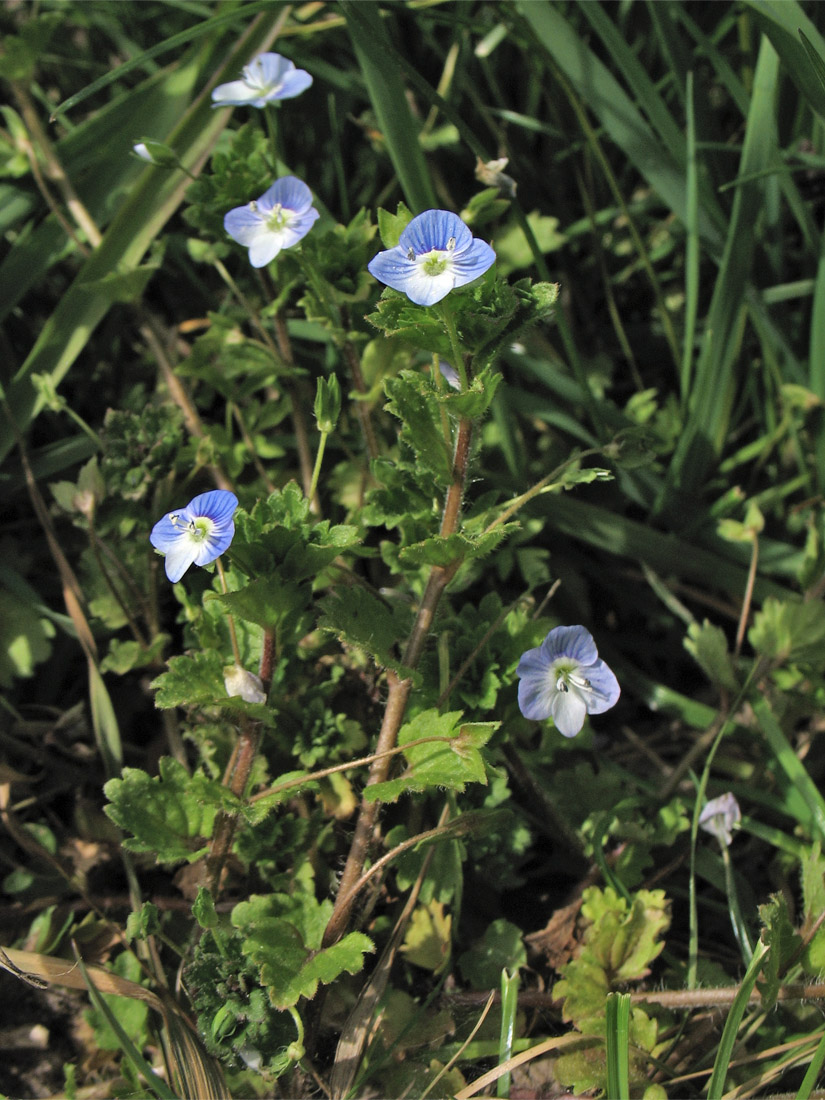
[(451, 764), (145, 922), (204, 909), (428, 939), (25, 636), (476, 399), (785, 630), (446, 550), (125, 656), (283, 938), (170, 815), (414, 401), (359, 618), (627, 938), (708, 646), (267, 601), (130, 1013), (512, 249), (198, 680), (501, 946), (391, 226), (780, 936)]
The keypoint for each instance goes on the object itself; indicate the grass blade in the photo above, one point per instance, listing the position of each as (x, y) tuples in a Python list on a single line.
[(737, 1011), (813, 1071), (691, 247), (509, 1008), (386, 92), (138, 222), (790, 763), (618, 1034), (201, 28), (613, 107), (784, 21), (715, 384), (156, 1084)]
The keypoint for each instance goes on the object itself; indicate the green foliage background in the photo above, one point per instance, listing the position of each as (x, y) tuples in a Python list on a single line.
[(647, 396)]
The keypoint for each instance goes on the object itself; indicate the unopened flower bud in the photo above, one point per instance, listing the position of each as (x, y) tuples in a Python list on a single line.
[(245, 684)]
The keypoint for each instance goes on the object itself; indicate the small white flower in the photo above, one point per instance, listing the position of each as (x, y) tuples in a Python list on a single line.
[(267, 78), (719, 816), (280, 218)]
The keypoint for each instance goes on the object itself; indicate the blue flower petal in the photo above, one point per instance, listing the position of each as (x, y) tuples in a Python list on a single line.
[(237, 93), (564, 679), (426, 290), (243, 224), (218, 505), (472, 262), (572, 642), (268, 69), (606, 690), (295, 82), (265, 247), (289, 192), (435, 253), (433, 230), (252, 225), (535, 695), (180, 555)]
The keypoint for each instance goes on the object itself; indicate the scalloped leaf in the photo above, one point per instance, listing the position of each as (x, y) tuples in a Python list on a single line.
[(450, 764), (283, 938), (359, 618), (170, 815)]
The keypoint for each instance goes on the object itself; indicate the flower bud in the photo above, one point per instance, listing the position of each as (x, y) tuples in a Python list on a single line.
[(245, 684), (327, 404)]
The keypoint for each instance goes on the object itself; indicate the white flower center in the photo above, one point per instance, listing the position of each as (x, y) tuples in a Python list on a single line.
[(253, 75), (279, 218), (436, 262), (569, 677), (197, 529)]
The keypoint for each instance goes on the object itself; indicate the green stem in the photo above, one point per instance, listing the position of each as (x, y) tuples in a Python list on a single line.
[(230, 621), (272, 132), (319, 458), (739, 929), (313, 777), (519, 501), (446, 315)]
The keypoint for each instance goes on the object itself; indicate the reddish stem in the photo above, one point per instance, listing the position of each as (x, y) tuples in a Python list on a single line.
[(398, 695)]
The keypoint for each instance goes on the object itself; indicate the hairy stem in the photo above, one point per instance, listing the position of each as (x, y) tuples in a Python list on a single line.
[(398, 696), (236, 779)]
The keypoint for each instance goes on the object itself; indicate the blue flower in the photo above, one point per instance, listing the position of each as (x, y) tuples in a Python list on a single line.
[(719, 816), (564, 679), (196, 534), (267, 78), (278, 219), (435, 254)]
